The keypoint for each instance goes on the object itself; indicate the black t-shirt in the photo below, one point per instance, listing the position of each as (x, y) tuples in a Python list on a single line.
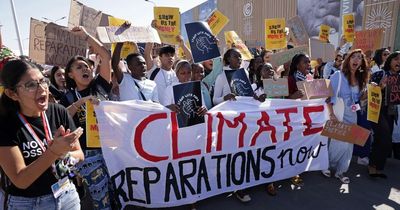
[(14, 133), (98, 87)]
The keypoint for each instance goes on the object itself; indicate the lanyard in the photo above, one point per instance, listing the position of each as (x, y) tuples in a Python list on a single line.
[(78, 96), (46, 126)]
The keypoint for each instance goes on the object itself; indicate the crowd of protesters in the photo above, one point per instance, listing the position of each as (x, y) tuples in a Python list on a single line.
[(43, 113)]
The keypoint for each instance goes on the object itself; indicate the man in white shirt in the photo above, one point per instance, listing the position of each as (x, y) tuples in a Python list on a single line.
[(133, 85), (333, 66), (165, 75)]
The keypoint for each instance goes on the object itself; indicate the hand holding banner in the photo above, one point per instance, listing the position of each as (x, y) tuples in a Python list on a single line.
[(128, 47), (275, 36), (239, 82), (138, 34), (168, 23)]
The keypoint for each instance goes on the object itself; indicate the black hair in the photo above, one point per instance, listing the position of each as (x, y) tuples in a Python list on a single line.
[(166, 49), (131, 56), (378, 56), (11, 74), (52, 76), (70, 82), (259, 81), (295, 61), (389, 59), (227, 55)]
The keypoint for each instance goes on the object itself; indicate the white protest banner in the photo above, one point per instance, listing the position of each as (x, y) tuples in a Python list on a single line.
[(52, 44), (243, 143), (138, 34)]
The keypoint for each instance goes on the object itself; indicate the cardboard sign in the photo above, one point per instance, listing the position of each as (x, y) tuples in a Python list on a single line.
[(317, 88), (169, 24), (127, 47), (92, 130), (52, 44), (239, 82), (217, 21), (298, 31), (232, 39), (393, 89), (138, 34), (324, 33), (280, 58), (348, 27), (322, 50), (275, 36), (344, 132), (276, 88), (202, 41), (188, 97), (374, 103), (368, 39)]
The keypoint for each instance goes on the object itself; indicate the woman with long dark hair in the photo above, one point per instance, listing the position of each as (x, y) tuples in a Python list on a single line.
[(39, 142), (383, 130), (353, 80), (83, 85), (58, 86), (379, 59)]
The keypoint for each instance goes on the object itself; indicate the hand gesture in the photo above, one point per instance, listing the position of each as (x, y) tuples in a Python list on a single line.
[(174, 108), (80, 31), (230, 97), (201, 111), (64, 140)]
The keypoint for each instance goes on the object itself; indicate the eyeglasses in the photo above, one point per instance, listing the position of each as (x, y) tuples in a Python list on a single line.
[(33, 85)]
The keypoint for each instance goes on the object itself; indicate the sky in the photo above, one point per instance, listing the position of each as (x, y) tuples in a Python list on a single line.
[(138, 12)]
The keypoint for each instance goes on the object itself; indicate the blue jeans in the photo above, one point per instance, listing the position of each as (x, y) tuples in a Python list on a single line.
[(68, 200)]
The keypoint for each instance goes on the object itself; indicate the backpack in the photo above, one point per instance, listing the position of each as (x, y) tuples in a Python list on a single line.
[(154, 74)]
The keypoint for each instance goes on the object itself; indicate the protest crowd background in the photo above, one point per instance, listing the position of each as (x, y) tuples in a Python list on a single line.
[(105, 114)]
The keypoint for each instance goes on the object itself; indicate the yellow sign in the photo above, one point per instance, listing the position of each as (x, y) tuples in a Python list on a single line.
[(348, 27), (374, 103), (168, 24), (92, 130), (275, 36), (232, 39), (217, 21), (181, 52), (128, 47), (324, 33)]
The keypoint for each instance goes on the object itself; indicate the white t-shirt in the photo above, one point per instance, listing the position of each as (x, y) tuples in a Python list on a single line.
[(129, 91), (163, 79)]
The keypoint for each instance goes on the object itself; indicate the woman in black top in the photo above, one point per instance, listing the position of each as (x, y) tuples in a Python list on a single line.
[(383, 130), (82, 86), (38, 142), (58, 86)]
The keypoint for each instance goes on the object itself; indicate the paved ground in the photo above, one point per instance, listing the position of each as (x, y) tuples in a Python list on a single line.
[(320, 193)]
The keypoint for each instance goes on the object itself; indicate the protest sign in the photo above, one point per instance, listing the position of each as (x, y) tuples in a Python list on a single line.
[(374, 103), (52, 44), (232, 39), (239, 82), (202, 42), (217, 21), (324, 33), (275, 36), (280, 58), (127, 47), (276, 88), (348, 27), (74, 14), (138, 34), (317, 88), (368, 39), (154, 163), (298, 31), (393, 89), (168, 24), (92, 130), (345, 132), (325, 51), (188, 97)]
